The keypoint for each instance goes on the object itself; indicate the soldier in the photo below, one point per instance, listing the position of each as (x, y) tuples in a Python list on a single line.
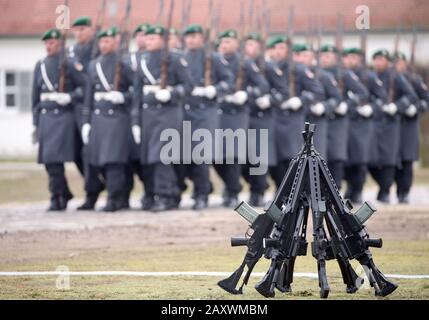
[(400, 95), (155, 109), (338, 122), (262, 117), (409, 141), (319, 112), (200, 107), (360, 133), (304, 92), (84, 35), (53, 102), (175, 42), (106, 118), (234, 112)]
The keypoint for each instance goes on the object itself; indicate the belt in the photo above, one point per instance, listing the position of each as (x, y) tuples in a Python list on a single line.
[(147, 89), (49, 96), (98, 96)]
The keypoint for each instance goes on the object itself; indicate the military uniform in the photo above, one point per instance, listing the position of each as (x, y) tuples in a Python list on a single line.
[(234, 115), (108, 115), (409, 138), (387, 128), (53, 116), (153, 115), (200, 109)]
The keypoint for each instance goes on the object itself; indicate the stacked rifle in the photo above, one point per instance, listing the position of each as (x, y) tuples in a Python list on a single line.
[(279, 233)]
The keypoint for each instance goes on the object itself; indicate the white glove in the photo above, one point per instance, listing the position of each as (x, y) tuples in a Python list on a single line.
[(365, 111), (240, 97), (116, 97), (263, 102), (411, 111), (317, 109), (63, 99), (210, 92), (86, 129), (390, 108), (34, 135), (137, 134), (293, 103), (198, 92), (342, 108), (163, 95)]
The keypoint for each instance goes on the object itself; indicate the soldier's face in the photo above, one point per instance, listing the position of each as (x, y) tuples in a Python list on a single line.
[(154, 42), (228, 45), (380, 63), (352, 60), (328, 59), (305, 57), (141, 40), (82, 34), (194, 41), (280, 51), (252, 49), (401, 65), (52, 46), (107, 45)]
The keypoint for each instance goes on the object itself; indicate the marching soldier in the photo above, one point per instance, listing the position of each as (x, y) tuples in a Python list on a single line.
[(234, 112), (338, 122), (53, 102), (200, 107), (400, 95), (360, 132), (409, 141), (156, 107), (318, 113), (262, 118), (304, 92), (106, 118)]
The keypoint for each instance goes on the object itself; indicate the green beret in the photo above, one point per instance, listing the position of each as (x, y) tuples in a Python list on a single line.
[(52, 34), (271, 43), (82, 21), (156, 29), (400, 55), (328, 48), (301, 47), (228, 34), (141, 28), (193, 28), (254, 36), (382, 53), (352, 50), (111, 32)]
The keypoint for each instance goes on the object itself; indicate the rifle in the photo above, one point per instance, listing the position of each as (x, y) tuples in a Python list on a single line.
[(63, 57), (186, 12), (160, 12), (391, 93), (264, 21), (123, 45), (339, 46), (239, 82), (209, 48), (413, 49), (98, 27), (290, 63), (166, 52)]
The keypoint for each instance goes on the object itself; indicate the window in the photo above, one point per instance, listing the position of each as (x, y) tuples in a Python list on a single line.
[(15, 90)]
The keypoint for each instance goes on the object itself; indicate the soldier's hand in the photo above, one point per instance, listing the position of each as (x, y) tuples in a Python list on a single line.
[(116, 97), (210, 92), (240, 97), (342, 108), (411, 111), (34, 136), (263, 102), (86, 130), (317, 109), (390, 108), (365, 111), (63, 99), (136, 133), (163, 95), (293, 103), (198, 92)]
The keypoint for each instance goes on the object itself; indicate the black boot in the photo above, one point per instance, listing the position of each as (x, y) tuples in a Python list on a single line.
[(112, 205), (89, 204), (55, 204), (230, 201), (124, 202), (164, 204), (403, 198), (64, 200), (383, 197), (200, 203), (257, 200), (147, 202)]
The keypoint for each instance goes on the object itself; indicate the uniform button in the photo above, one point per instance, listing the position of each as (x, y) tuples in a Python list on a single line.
[(97, 111), (145, 106), (110, 111), (56, 111), (187, 107), (219, 111), (44, 111)]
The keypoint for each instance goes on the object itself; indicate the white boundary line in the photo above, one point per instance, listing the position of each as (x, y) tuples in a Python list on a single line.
[(170, 274)]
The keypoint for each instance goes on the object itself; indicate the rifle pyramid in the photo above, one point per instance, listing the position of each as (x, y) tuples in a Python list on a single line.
[(280, 232)]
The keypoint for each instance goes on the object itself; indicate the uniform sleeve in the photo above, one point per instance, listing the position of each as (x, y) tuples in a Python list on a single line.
[(223, 75), (332, 92), (422, 92), (355, 93), (88, 97), (35, 95), (137, 99), (312, 89), (257, 85), (185, 82), (278, 82), (408, 96)]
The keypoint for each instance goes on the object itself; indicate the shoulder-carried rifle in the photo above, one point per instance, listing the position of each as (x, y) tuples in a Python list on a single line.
[(290, 63), (63, 57), (209, 47), (413, 49), (392, 75), (166, 52), (98, 27), (339, 45), (239, 83), (123, 44)]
